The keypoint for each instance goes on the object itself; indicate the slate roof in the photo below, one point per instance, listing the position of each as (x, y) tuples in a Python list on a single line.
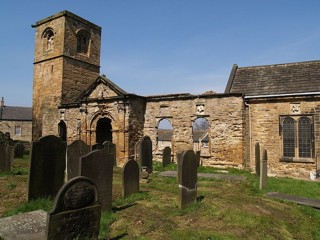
[(288, 78), (12, 113)]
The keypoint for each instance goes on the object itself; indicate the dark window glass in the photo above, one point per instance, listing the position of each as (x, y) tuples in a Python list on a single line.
[(288, 137)]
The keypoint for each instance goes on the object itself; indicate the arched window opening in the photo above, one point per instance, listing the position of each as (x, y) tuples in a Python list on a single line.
[(103, 130), (288, 137), (48, 36), (297, 138), (62, 130), (82, 41), (200, 136), (305, 137), (165, 131)]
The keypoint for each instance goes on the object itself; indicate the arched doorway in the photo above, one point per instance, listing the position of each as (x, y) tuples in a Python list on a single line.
[(62, 130), (104, 130)]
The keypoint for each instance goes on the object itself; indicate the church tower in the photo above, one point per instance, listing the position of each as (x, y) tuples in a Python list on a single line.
[(66, 62)]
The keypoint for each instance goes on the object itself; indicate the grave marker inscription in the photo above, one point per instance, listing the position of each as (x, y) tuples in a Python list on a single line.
[(76, 212)]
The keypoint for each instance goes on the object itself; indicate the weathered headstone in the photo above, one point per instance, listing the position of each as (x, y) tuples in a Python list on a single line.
[(198, 155), (6, 157), (130, 178), (145, 153), (257, 158), (48, 163), (264, 170), (98, 166), (75, 150), (76, 212), (187, 178), (166, 156), (19, 150), (181, 147), (318, 165), (111, 148)]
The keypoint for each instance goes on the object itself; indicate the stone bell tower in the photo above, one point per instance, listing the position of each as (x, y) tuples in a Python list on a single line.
[(66, 62)]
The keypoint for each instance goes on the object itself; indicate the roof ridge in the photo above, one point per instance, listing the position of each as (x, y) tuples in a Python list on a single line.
[(279, 64)]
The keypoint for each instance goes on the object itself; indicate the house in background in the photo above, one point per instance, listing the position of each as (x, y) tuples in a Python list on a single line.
[(17, 121)]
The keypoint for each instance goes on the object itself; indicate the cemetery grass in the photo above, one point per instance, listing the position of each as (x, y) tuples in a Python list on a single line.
[(225, 210)]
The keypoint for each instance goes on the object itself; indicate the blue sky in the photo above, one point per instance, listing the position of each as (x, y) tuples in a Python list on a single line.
[(165, 46)]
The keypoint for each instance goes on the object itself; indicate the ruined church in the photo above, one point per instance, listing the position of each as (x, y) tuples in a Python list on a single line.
[(276, 106)]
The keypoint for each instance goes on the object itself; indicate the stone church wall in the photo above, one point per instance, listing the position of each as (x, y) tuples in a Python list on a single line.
[(226, 124), (265, 129)]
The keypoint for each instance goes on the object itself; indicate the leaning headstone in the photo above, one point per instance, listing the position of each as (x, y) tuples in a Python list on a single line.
[(48, 163), (76, 211), (6, 157), (257, 158), (145, 153), (98, 166), (19, 150), (264, 170), (75, 150), (166, 156), (130, 178), (187, 179), (111, 148)]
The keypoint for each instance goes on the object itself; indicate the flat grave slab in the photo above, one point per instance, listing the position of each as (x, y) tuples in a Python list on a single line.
[(25, 226), (206, 175), (315, 203)]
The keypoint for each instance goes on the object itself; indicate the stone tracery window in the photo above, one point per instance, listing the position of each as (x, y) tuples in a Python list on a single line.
[(83, 39), (297, 137)]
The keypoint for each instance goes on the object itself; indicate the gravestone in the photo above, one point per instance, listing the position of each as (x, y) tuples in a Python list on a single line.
[(48, 163), (19, 150), (75, 150), (318, 165), (76, 211), (97, 146), (6, 157), (181, 147), (187, 178), (98, 166), (257, 158), (198, 155), (111, 148), (166, 156), (264, 170), (130, 178), (145, 153)]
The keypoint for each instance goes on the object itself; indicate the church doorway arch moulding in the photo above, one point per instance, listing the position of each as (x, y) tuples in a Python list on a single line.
[(103, 127)]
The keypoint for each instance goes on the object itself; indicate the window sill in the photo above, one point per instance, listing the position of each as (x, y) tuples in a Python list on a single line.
[(298, 160)]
